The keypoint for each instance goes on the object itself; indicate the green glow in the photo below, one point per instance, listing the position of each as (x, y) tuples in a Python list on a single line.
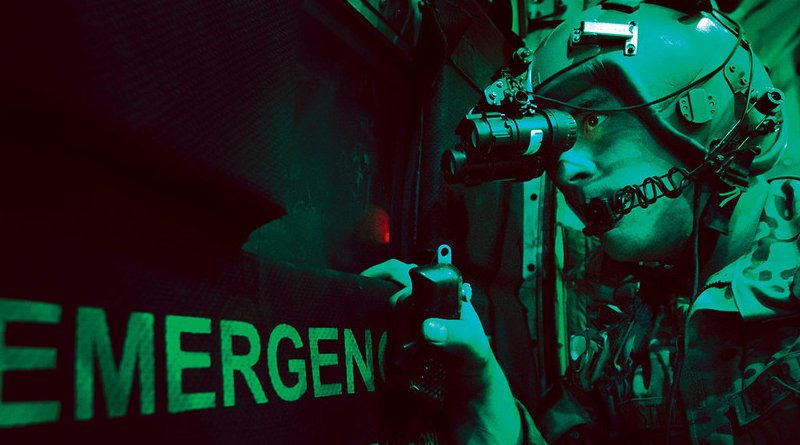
[(93, 340), (178, 360), (296, 366), (241, 363), (18, 358), (318, 360), (120, 361), (353, 355)]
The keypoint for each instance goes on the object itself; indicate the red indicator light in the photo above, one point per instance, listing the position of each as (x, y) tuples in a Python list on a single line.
[(374, 226)]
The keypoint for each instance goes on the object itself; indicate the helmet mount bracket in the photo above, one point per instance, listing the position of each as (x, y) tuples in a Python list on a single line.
[(591, 33), (697, 106), (736, 77)]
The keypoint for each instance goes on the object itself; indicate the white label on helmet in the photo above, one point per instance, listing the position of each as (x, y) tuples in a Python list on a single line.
[(536, 142), (605, 29)]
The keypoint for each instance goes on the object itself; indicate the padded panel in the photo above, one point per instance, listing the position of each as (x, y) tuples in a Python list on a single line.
[(321, 383)]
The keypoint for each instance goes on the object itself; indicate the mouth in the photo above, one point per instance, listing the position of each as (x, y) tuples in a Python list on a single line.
[(591, 192), (592, 208), (600, 208), (578, 200)]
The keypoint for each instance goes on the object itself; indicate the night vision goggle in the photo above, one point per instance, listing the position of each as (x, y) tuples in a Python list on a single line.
[(506, 137)]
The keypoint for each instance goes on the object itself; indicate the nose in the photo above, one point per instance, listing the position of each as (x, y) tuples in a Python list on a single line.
[(574, 167)]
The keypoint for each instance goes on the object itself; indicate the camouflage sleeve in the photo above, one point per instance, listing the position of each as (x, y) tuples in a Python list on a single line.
[(765, 280)]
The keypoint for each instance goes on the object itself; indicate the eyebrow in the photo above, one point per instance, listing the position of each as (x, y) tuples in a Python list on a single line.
[(591, 100), (590, 97)]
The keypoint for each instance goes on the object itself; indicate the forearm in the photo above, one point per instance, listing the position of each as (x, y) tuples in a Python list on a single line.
[(489, 416)]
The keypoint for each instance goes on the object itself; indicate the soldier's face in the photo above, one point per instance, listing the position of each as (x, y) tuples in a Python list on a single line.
[(614, 150)]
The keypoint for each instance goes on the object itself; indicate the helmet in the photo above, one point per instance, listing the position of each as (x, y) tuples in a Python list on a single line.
[(689, 75)]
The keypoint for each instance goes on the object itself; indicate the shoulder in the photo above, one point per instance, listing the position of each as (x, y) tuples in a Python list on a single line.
[(783, 202), (764, 278)]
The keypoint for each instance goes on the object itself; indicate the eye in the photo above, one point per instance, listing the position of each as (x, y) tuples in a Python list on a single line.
[(590, 122)]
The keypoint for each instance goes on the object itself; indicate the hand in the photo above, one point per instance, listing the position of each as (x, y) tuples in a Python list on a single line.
[(464, 338), (480, 408), (393, 270), (483, 409)]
